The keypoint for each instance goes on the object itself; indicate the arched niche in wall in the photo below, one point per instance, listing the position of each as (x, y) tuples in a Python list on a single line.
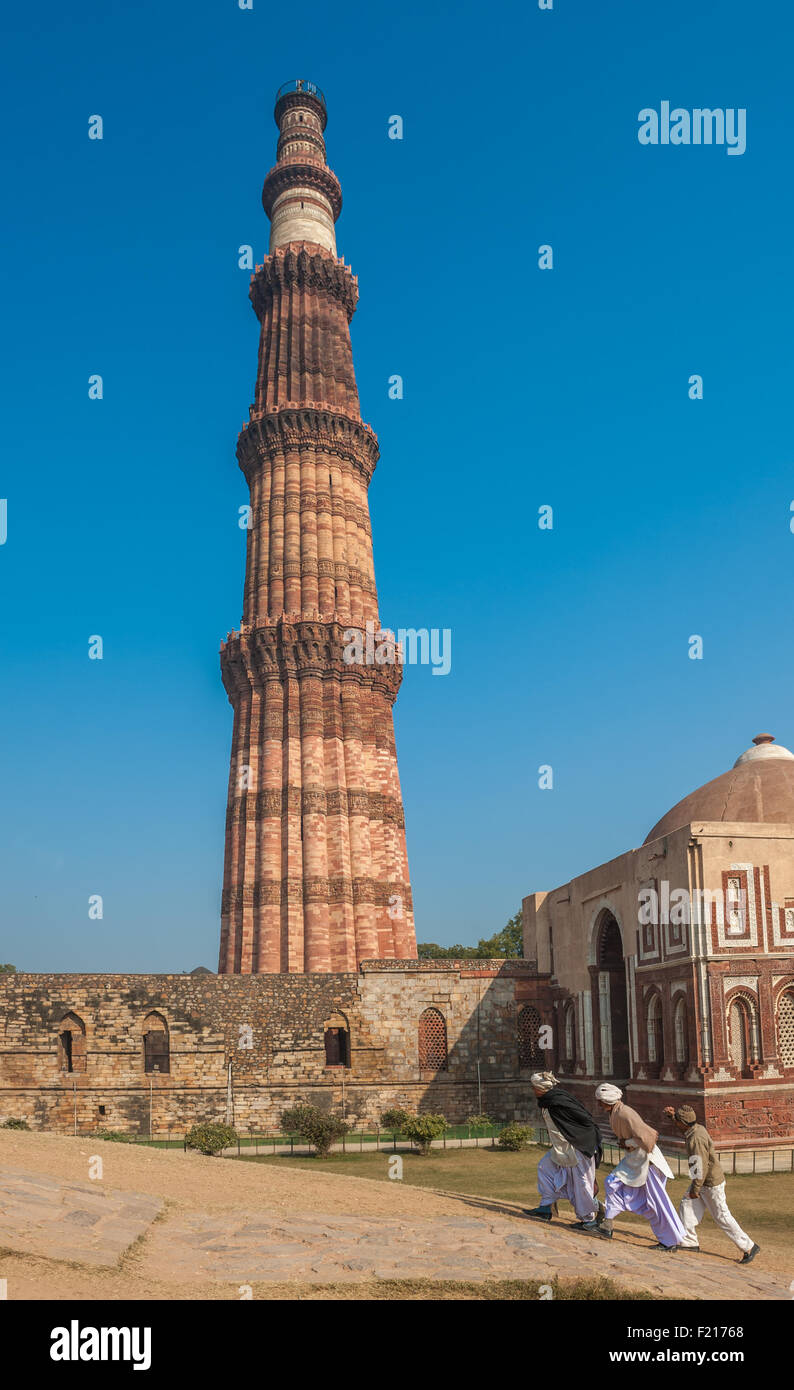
[(156, 1045), (336, 1038), (71, 1044)]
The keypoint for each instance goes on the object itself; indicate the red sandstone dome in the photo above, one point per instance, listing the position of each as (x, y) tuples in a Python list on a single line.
[(759, 787)]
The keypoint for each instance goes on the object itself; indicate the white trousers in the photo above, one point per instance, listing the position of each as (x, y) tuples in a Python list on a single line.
[(576, 1184), (711, 1199)]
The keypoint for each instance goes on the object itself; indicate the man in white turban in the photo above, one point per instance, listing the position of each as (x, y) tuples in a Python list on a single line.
[(638, 1183), (568, 1170)]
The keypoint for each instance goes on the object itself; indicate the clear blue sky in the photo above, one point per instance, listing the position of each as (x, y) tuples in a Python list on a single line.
[(522, 388)]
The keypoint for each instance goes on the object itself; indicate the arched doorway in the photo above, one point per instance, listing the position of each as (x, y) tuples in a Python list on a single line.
[(613, 1013)]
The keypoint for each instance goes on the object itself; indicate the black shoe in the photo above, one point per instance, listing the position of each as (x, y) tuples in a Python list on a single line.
[(749, 1255), (689, 1249), (591, 1220), (668, 1249), (592, 1228), (539, 1213)]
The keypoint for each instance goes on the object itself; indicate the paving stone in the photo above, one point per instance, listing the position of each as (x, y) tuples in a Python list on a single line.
[(73, 1221), (82, 1218)]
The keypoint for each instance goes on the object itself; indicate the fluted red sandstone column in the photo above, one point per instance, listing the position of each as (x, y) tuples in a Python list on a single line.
[(316, 870)]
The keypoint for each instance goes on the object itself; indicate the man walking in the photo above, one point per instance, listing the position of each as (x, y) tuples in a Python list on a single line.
[(568, 1170), (638, 1183), (707, 1188)]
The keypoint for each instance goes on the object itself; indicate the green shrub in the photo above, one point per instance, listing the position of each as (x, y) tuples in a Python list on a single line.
[(210, 1138), (291, 1120), (395, 1120), (514, 1137), (15, 1124), (479, 1121), (116, 1136), (314, 1127), (423, 1129)]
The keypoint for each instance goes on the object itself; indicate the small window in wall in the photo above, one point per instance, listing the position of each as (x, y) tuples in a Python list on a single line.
[(529, 1050), (71, 1044), (156, 1047), (336, 1035), (785, 1028), (337, 1047), (681, 1033), (655, 1031), (432, 1041), (570, 1033), (740, 1034)]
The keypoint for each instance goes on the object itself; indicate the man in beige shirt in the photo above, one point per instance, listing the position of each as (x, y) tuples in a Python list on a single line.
[(707, 1189), (638, 1184)]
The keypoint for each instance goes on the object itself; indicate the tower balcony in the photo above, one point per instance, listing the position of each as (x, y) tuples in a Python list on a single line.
[(299, 84), (300, 92)]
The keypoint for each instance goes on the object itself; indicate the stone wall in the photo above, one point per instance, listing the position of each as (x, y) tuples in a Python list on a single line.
[(270, 1028)]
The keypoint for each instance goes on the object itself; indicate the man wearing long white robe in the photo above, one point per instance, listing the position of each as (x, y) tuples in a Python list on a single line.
[(565, 1171), (638, 1183), (706, 1192)]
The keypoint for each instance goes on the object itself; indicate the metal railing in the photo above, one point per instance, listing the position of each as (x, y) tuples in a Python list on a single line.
[(299, 84), (366, 1141), (735, 1162)]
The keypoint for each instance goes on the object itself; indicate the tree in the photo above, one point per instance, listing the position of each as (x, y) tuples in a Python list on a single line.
[(514, 1138), (509, 942), (429, 950), (314, 1127), (8, 970), (210, 1137), (423, 1129), (394, 1120), (505, 944)]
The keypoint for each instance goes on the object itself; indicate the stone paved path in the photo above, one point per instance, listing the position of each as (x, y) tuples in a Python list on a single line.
[(316, 1249), (67, 1220), (70, 1220)]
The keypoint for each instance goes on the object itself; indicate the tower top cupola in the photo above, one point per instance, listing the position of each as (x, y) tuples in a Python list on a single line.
[(301, 196), (764, 746)]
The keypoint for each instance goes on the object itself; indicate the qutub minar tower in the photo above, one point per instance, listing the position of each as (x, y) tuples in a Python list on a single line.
[(316, 870)]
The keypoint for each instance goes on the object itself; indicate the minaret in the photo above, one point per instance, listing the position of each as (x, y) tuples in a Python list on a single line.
[(316, 871)]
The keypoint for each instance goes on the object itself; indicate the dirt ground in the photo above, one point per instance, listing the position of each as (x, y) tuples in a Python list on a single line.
[(214, 1184), (194, 1188), (190, 1181)]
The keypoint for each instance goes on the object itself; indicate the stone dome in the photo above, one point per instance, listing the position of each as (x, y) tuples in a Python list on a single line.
[(759, 787)]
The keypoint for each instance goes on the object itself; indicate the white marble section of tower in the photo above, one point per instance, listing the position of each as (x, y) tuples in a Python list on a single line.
[(301, 196)]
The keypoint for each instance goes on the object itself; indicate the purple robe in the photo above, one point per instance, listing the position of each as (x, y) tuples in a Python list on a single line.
[(650, 1201)]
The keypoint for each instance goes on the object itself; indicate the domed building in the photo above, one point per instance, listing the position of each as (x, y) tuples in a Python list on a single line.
[(672, 967)]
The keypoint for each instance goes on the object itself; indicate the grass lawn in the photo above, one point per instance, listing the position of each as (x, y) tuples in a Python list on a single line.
[(763, 1204)]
